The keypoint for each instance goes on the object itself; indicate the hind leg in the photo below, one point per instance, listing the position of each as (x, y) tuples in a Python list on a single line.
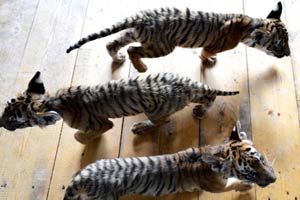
[(208, 58), (146, 51), (88, 136), (114, 46), (139, 128), (204, 104)]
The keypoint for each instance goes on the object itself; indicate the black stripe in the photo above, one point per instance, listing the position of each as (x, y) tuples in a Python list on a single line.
[(198, 31), (175, 31), (117, 98), (171, 172), (86, 106), (159, 182), (149, 84), (216, 40), (190, 23), (111, 97), (207, 15), (140, 95), (132, 170), (125, 174)]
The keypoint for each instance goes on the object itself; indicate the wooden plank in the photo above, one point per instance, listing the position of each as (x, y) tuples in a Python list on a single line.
[(271, 83), (27, 165), (275, 121), (291, 10), (93, 66), (16, 18), (230, 73)]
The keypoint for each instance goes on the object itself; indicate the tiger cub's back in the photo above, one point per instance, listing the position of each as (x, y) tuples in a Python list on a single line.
[(155, 176)]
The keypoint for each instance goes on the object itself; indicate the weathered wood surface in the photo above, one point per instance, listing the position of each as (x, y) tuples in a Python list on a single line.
[(38, 163)]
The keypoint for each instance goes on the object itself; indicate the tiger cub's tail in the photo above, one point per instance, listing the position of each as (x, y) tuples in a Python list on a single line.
[(226, 93), (125, 24), (208, 91), (202, 91)]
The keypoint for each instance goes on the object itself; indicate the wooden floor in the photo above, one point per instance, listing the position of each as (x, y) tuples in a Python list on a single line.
[(37, 164)]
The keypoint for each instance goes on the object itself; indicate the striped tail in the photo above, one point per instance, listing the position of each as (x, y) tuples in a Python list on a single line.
[(226, 93), (127, 23), (202, 91)]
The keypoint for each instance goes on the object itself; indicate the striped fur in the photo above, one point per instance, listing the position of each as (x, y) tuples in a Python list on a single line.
[(160, 31), (89, 108), (208, 168)]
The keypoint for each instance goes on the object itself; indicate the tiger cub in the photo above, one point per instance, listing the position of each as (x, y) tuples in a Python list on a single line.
[(89, 108), (210, 168), (160, 31)]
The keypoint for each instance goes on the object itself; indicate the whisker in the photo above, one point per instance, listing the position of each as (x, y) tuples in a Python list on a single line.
[(265, 155), (273, 161)]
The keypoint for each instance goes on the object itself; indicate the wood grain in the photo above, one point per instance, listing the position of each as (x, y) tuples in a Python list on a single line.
[(38, 163)]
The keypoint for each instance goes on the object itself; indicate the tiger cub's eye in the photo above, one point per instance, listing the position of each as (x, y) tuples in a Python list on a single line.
[(27, 100), (20, 98)]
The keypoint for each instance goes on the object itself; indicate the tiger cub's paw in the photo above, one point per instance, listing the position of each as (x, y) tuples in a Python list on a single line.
[(243, 187), (85, 138), (139, 128), (198, 112), (209, 62), (119, 58)]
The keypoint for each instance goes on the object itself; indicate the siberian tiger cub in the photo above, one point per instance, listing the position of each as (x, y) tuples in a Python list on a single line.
[(160, 31), (88, 108), (209, 168)]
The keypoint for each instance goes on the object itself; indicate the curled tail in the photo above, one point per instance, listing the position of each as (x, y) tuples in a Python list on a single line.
[(127, 23)]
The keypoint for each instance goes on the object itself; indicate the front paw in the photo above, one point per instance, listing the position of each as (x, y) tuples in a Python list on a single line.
[(119, 58), (85, 138), (139, 128), (209, 62), (243, 187), (198, 112)]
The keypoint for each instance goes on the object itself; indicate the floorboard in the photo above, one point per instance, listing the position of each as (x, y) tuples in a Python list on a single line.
[(39, 163)]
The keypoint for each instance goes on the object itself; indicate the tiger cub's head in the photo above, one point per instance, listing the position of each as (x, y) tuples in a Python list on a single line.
[(28, 109), (271, 36), (238, 158)]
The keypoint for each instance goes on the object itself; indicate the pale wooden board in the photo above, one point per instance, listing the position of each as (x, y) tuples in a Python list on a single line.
[(36, 148), (27, 163), (292, 14), (93, 66), (230, 74), (16, 20), (275, 122)]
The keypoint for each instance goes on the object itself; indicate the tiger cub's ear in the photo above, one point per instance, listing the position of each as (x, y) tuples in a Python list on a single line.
[(36, 85), (235, 133), (276, 12)]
